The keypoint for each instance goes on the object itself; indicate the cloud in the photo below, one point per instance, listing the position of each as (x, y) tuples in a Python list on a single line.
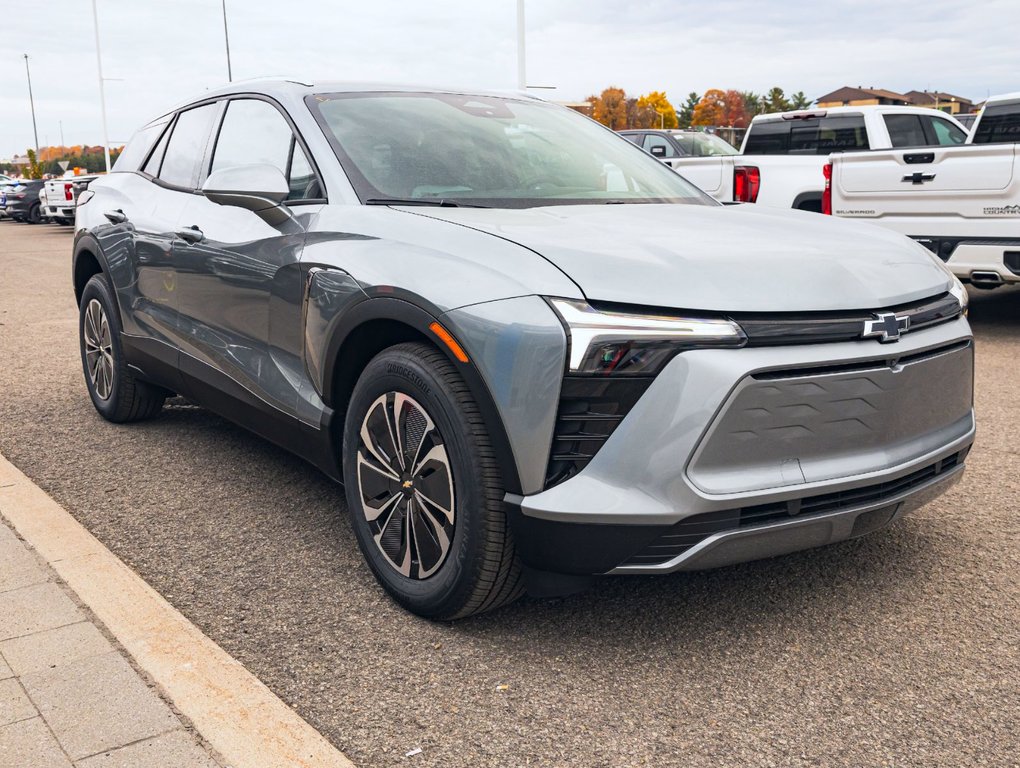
[(166, 52)]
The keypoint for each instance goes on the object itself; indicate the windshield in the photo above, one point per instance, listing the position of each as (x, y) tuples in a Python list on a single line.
[(704, 145), (428, 148)]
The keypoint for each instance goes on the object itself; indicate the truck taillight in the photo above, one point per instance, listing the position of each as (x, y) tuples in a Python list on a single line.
[(746, 182), (68, 194), (827, 191)]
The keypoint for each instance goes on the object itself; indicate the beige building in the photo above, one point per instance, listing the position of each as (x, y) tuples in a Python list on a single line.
[(848, 96)]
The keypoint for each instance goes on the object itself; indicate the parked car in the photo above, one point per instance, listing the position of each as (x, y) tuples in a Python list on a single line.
[(675, 148), (782, 155), (962, 202), (60, 197), (533, 352), (20, 201)]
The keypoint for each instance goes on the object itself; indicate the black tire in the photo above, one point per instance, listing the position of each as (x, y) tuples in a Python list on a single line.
[(127, 398), (480, 570), (34, 214)]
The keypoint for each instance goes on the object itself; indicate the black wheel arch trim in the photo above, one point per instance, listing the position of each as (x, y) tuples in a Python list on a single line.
[(388, 303), (807, 197)]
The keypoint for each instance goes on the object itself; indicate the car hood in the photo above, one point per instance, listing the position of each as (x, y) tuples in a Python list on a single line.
[(726, 258)]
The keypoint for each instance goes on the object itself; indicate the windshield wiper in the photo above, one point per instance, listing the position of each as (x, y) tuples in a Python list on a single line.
[(438, 202)]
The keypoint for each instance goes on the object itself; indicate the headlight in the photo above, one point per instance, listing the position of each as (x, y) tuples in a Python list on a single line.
[(956, 288), (626, 344)]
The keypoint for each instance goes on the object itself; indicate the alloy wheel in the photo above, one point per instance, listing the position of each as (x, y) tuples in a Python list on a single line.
[(98, 349), (406, 485)]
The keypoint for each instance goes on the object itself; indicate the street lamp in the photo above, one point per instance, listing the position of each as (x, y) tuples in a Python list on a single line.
[(102, 86), (31, 103), (522, 80), (226, 40)]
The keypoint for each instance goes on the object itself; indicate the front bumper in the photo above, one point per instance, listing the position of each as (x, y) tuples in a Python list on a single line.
[(888, 451)]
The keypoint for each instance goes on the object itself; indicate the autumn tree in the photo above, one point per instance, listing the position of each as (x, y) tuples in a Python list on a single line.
[(711, 109), (640, 115), (686, 113), (664, 112), (610, 108), (736, 114)]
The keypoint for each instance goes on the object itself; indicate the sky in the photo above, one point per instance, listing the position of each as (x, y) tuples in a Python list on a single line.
[(157, 53)]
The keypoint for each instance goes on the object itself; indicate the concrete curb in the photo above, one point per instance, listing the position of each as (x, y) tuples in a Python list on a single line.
[(245, 722)]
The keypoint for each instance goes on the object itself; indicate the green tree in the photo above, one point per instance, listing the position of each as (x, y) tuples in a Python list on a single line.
[(686, 114), (34, 170), (752, 102), (799, 101), (775, 101)]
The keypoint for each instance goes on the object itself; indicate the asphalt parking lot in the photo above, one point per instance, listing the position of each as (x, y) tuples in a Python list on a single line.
[(899, 649)]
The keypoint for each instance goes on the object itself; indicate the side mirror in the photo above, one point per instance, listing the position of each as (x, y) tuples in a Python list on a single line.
[(259, 187), (658, 151)]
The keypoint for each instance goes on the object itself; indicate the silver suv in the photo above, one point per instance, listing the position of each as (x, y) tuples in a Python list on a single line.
[(532, 352)]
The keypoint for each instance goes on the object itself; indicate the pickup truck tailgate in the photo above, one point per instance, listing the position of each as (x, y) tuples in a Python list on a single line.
[(972, 168), (713, 175)]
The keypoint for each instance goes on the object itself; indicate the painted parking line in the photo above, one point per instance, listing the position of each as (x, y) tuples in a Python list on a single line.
[(233, 711)]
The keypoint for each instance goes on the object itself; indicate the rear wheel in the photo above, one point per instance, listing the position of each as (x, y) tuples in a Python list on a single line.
[(424, 492), (115, 392), (34, 215)]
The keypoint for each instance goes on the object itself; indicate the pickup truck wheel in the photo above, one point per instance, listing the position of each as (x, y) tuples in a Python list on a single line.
[(115, 392), (424, 492)]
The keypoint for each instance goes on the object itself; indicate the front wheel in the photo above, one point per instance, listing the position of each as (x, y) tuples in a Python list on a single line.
[(115, 392), (424, 492)]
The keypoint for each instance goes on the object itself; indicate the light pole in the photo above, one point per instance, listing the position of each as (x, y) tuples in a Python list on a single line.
[(522, 79), (102, 86), (31, 103), (226, 40)]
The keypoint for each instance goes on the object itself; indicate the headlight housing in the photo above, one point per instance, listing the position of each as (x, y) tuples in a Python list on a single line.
[(956, 288), (624, 344)]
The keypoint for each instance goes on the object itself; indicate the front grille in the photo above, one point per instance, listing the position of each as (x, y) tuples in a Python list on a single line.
[(822, 327), (590, 409), (694, 529)]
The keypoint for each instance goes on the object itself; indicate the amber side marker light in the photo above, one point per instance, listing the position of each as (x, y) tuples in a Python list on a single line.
[(448, 340)]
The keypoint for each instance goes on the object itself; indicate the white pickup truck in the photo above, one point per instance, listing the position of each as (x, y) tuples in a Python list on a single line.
[(961, 202), (781, 159), (59, 197)]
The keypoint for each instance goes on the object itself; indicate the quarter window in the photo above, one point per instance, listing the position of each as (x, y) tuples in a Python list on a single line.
[(138, 147), (254, 131), (187, 146)]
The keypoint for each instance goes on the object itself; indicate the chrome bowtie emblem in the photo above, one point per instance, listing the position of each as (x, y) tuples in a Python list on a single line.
[(885, 327)]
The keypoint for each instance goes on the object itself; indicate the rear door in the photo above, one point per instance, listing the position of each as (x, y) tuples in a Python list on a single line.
[(240, 280)]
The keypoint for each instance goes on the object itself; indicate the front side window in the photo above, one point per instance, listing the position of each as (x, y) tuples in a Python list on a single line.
[(998, 124), (184, 152), (254, 131), (654, 140), (488, 151)]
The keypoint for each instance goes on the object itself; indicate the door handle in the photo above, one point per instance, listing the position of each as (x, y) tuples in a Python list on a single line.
[(116, 216), (190, 234)]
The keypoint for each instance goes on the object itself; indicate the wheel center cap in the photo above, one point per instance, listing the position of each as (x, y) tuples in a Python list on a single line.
[(407, 486)]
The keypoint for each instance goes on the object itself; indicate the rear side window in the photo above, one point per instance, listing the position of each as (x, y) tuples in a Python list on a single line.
[(634, 138), (905, 131), (254, 131), (134, 153), (922, 131), (999, 124), (807, 136), (184, 153)]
